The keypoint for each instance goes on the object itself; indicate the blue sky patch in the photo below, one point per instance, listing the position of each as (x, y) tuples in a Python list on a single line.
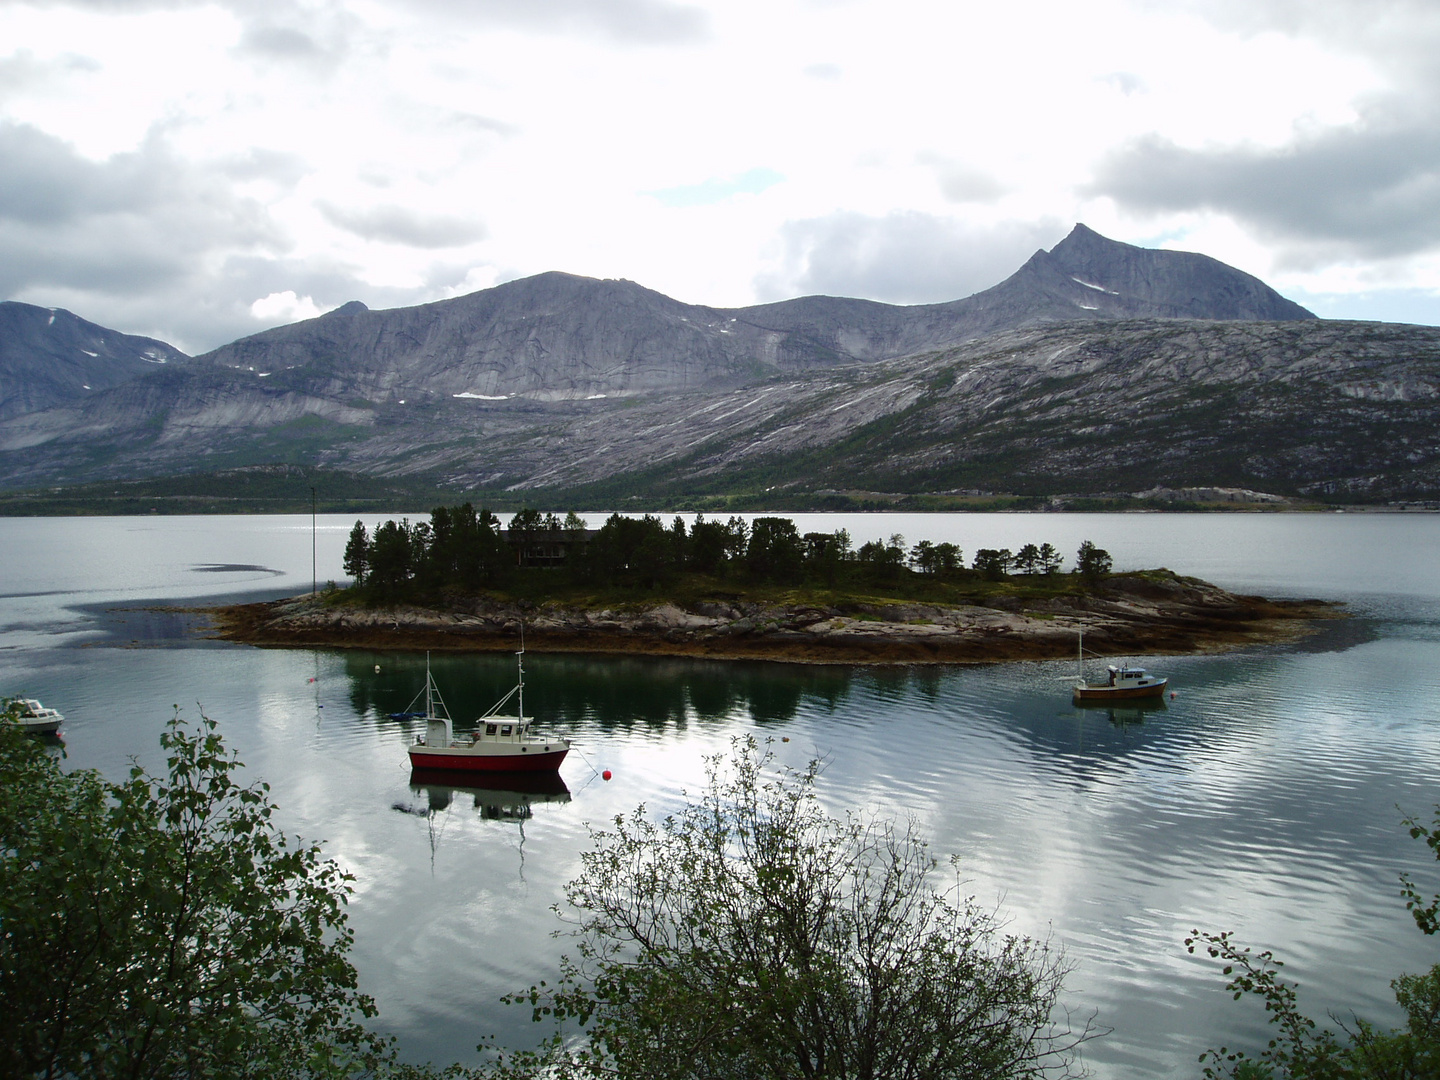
[(719, 188)]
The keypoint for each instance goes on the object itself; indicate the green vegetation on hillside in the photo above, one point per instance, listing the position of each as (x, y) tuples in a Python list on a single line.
[(260, 489), (279, 487)]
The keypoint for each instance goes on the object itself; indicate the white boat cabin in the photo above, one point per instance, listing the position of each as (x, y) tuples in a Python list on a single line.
[(1129, 676)]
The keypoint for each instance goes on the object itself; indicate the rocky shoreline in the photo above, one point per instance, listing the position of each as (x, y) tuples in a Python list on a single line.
[(1152, 613)]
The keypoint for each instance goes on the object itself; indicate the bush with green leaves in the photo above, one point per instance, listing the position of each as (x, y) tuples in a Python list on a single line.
[(753, 936), (1301, 1049), (165, 927)]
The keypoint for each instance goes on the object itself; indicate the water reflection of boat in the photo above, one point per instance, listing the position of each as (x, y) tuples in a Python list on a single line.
[(1125, 682), (499, 744), (1123, 714), (502, 797)]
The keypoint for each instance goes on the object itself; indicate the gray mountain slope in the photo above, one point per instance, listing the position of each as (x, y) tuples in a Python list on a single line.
[(1133, 282), (550, 337), (1303, 407), (1096, 364), (561, 337), (49, 357)]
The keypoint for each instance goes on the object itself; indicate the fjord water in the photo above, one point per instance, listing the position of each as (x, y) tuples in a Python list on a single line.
[(1266, 798)]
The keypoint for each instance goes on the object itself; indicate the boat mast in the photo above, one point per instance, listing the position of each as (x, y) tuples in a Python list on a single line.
[(520, 684), (520, 676)]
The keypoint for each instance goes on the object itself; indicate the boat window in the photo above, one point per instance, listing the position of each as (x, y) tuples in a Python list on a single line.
[(489, 729), (505, 730)]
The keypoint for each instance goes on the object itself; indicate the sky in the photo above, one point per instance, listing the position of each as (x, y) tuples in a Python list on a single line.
[(197, 172)]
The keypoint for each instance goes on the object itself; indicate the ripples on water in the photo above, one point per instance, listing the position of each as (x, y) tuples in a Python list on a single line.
[(1262, 799)]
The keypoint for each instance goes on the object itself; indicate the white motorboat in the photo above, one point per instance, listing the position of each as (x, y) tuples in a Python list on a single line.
[(36, 718)]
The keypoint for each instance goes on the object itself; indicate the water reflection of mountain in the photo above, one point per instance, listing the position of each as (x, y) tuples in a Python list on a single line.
[(607, 692), (509, 797)]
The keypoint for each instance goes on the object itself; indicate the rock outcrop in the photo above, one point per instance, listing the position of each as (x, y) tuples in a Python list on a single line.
[(1132, 613)]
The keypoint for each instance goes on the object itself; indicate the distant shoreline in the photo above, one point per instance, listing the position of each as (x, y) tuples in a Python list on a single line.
[(1132, 614)]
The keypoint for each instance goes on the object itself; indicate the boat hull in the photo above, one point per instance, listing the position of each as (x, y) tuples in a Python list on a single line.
[(1120, 693), (485, 759), (44, 726)]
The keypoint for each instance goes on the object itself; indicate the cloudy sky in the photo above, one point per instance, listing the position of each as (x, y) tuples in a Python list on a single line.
[(200, 171)]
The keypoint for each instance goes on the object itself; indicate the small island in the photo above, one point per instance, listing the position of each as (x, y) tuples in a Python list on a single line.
[(755, 591)]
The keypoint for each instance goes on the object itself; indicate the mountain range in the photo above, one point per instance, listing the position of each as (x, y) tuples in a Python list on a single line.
[(1096, 367)]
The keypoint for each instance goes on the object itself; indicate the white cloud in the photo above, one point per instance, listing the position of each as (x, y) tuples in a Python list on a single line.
[(902, 258), (643, 22), (284, 307), (168, 163), (400, 225)]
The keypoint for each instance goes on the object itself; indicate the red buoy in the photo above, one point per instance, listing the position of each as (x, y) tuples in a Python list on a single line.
[(605, 775)]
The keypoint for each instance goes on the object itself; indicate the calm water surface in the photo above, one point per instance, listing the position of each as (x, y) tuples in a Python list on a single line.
[(1264, 799)]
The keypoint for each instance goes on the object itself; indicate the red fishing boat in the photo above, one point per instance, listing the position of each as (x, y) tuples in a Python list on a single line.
[(500, 742)]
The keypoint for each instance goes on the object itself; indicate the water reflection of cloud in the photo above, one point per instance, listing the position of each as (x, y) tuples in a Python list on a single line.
[(1261, 800)]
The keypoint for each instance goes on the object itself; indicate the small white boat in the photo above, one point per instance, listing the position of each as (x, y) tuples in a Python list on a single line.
[(36, 718), (1123, 683), (500, 743)]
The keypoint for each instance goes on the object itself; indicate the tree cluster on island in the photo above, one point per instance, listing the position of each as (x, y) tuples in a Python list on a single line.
[(462, 549)]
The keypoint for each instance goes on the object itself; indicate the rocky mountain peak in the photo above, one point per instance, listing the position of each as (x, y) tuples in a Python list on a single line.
[(1176, 284)]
